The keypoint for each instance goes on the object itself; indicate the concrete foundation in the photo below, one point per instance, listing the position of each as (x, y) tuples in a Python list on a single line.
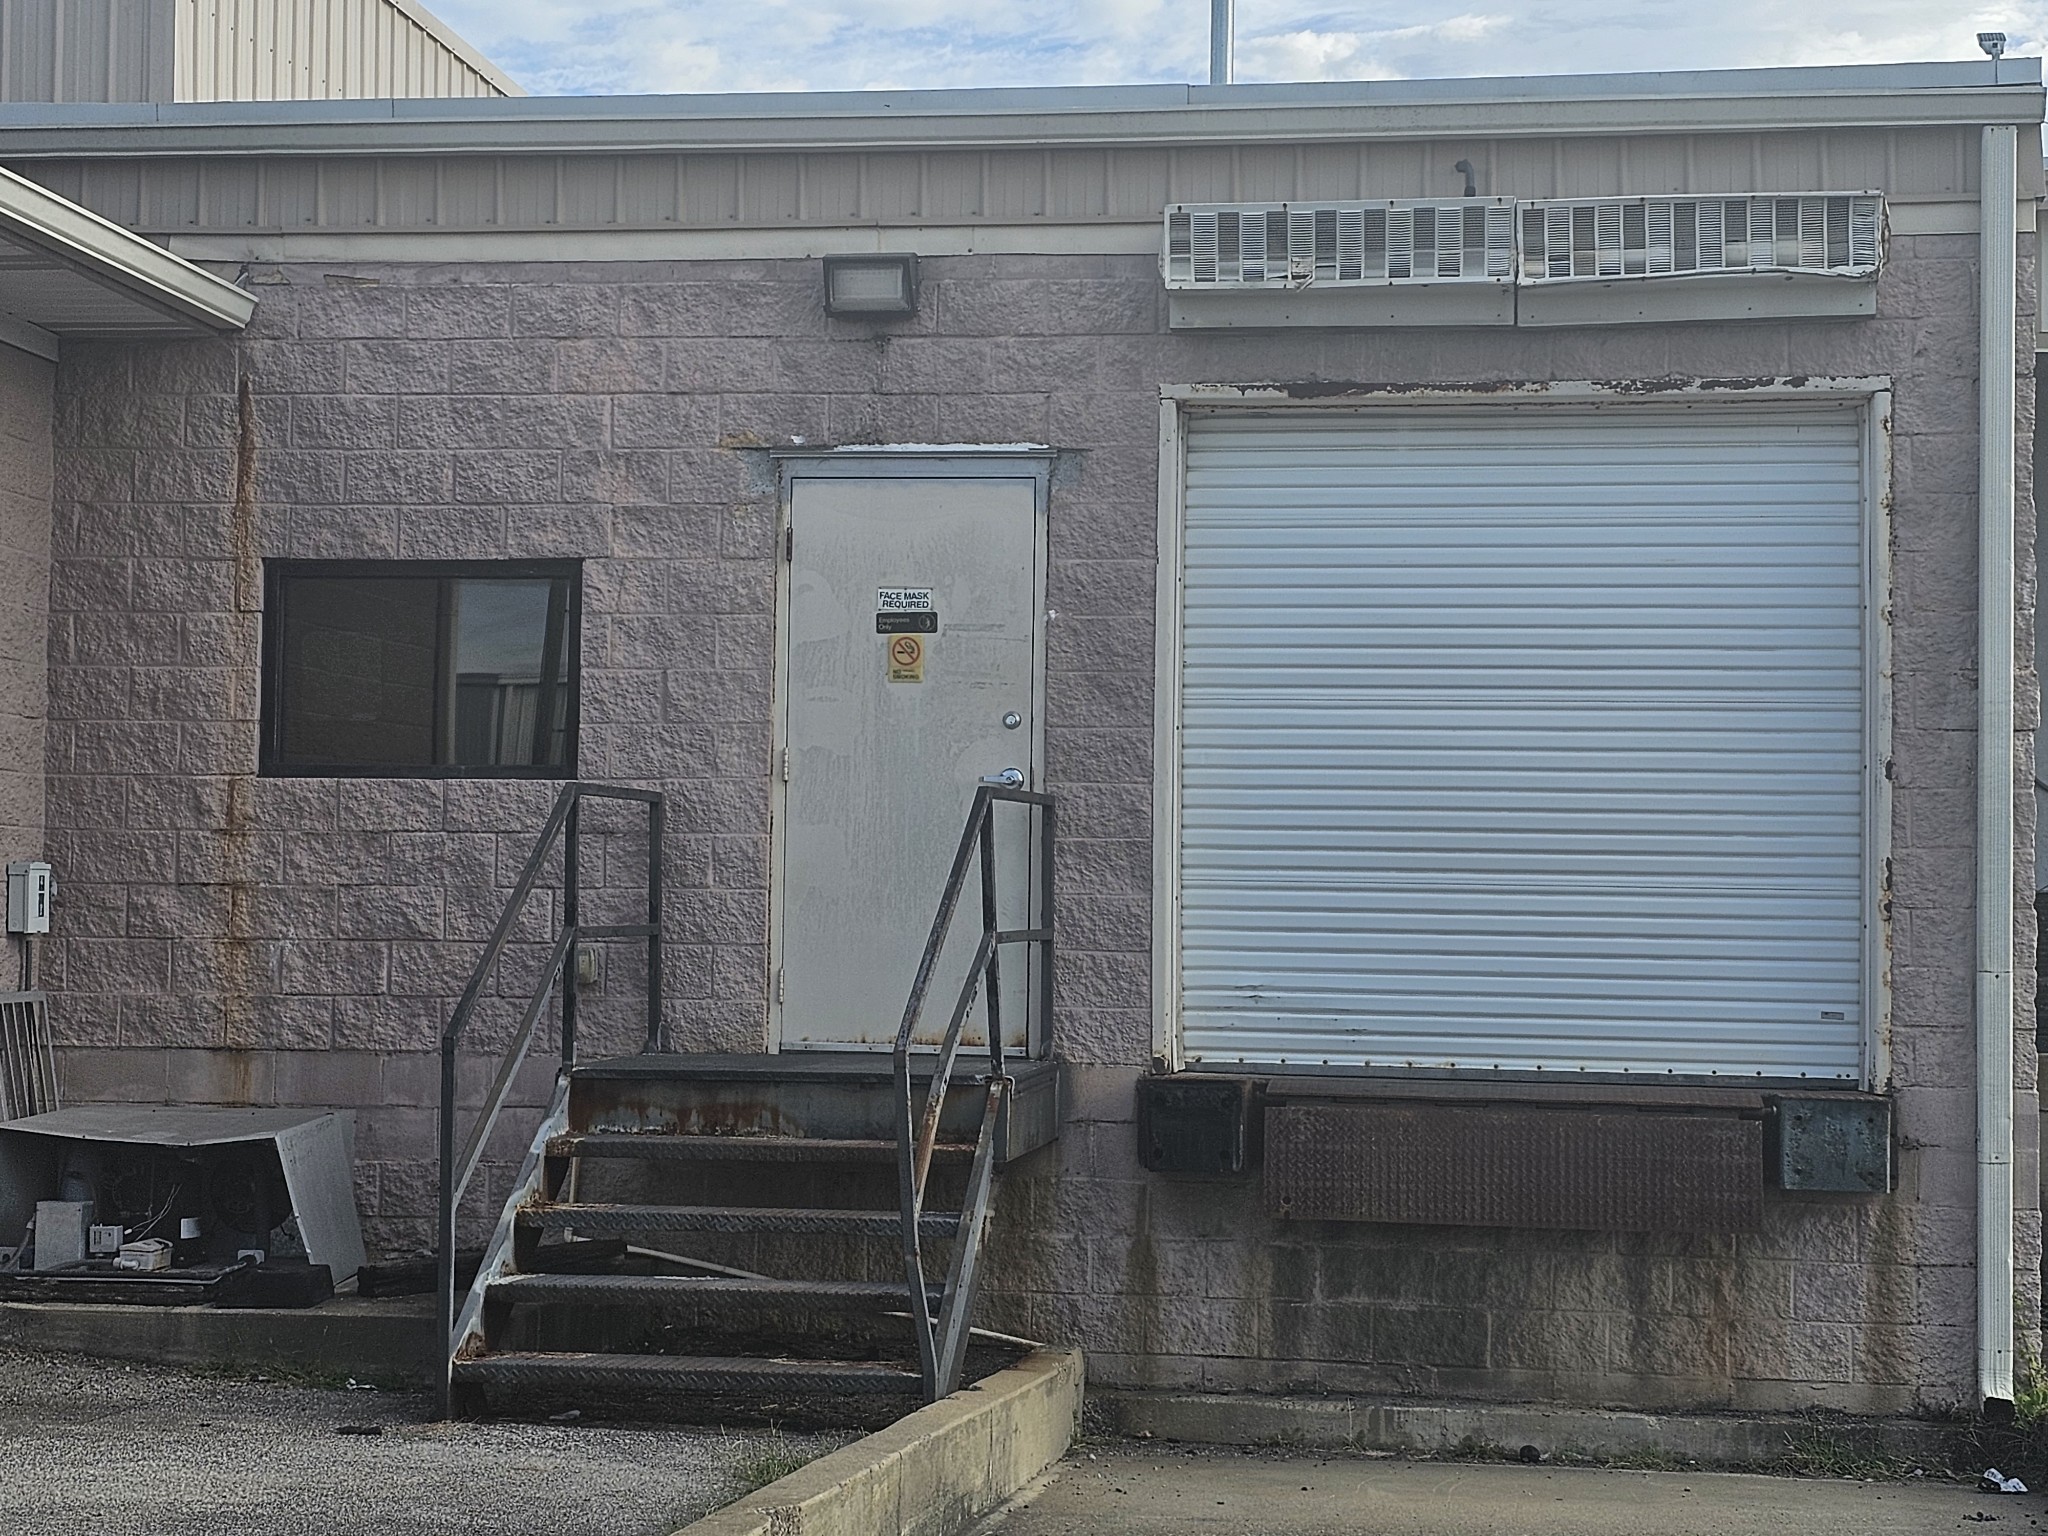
[(387, 1343)]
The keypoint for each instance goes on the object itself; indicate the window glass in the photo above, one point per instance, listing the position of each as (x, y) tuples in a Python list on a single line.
[(449, 670)]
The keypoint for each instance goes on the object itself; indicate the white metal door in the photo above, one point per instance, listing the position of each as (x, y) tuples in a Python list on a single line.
[(1525, 740), (893, 719)]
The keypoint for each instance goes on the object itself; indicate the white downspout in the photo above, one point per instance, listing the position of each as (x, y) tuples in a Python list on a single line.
[(1997, 365)]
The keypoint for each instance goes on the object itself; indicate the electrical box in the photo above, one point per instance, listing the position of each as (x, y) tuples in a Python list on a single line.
[(1838, 1144), (30, 886), (61, 1227), (1193, 1124)]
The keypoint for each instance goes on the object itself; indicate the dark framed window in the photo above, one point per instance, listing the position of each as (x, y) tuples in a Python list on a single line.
[(421, 668)]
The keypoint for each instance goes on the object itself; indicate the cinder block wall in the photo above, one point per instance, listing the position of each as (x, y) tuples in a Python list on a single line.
[(235, 939), (26, 447)]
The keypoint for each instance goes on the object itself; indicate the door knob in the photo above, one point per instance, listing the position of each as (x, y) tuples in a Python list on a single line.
[(1009, 778)]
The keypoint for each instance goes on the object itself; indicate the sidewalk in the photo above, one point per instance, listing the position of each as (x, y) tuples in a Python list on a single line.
[(1167, 1491)]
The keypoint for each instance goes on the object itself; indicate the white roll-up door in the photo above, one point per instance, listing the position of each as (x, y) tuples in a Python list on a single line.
[(1525, 739)]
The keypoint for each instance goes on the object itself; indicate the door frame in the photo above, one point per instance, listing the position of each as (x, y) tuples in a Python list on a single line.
[(951, 462), (1871, 395)]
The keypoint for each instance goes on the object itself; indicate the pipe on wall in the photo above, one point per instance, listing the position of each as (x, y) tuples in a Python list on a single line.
[(1997, 365), (1222, 40)]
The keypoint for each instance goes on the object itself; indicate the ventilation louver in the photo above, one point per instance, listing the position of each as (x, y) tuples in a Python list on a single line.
[(1351, 245), (1840, 234), (1212, 246)]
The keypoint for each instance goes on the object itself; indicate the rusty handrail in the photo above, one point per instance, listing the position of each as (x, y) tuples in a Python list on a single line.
[(941, 1350), (563, 824)]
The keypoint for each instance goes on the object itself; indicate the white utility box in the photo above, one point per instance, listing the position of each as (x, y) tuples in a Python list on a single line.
[(30, 887)]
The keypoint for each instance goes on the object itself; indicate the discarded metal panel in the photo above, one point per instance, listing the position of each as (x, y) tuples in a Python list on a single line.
[(1835, 1144), (314, 1154), (1498, 1166), (1192, 1125)]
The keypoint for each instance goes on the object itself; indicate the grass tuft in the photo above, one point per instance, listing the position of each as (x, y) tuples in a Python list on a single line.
[(1824, 1450), (767, 1461)]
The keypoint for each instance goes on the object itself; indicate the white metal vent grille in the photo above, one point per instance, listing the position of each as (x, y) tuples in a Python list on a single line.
[(1838, 233), (1363, 244), (28, 1064)]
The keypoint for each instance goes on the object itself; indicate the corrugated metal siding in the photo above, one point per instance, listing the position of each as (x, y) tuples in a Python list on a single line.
[(299, 50), (85, 50), (1525, 740), (682, 189)]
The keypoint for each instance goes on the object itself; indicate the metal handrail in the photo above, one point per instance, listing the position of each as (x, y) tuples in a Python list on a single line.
[(564, 823), (942, 1341)]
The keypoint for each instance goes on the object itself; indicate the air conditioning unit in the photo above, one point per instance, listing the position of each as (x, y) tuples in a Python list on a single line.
[(1839, 234), (1365, 244)]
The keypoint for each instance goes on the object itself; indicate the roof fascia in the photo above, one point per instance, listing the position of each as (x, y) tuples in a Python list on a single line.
[(1722, 101)]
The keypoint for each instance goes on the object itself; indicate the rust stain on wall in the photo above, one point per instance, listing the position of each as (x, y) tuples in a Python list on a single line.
[(236, 961), (242, 531)]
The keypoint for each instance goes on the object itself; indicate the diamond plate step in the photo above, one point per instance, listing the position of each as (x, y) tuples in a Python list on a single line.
[(731, 1218), (747, 1149), (670, 1375), (629, 1290)]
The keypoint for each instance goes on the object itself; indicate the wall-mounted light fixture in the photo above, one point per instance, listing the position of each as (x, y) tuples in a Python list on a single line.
[(881, 284)]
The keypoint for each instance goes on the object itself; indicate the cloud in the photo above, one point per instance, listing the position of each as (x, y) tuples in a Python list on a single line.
[(578, 46), (1313, 54)]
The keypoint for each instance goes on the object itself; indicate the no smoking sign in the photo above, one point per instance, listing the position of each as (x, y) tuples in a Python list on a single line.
[(906, 658)]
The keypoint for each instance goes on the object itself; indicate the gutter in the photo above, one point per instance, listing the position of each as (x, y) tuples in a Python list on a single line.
[(1997, 365)]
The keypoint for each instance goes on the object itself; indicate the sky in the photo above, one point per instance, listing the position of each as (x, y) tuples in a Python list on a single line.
[(562, 47)]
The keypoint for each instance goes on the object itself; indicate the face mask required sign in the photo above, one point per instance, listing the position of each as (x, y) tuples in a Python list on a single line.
[(905, 611)]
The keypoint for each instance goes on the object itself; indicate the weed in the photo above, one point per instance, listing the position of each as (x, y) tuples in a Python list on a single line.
[(767, 1461), (2030, 1396), (1472, 1448), (276, 1373), (1641, 1458), (1824, 1449)]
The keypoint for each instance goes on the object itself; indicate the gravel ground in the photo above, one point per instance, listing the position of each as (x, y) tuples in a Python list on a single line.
[(94, 1448)]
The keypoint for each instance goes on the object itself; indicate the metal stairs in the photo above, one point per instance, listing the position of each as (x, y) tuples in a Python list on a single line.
[(833, 1205), (584, 1305)]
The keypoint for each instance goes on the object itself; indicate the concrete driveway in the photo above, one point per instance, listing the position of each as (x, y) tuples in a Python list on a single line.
[(92, 1448), (1167, 1492)]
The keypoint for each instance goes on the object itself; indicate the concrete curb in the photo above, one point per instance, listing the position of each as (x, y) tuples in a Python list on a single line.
[(1711, 1440), (390, 1343), (931, 1472)]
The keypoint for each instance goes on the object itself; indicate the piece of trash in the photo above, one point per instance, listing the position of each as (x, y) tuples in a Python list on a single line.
[(359, 1429), (1981, 1518), (1995, 1481), (1529, 1454), (360, 1386), (570, 1416)]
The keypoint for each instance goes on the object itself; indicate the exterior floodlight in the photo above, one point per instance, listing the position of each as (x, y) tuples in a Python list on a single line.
[(1992, 43), (882, 284)]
